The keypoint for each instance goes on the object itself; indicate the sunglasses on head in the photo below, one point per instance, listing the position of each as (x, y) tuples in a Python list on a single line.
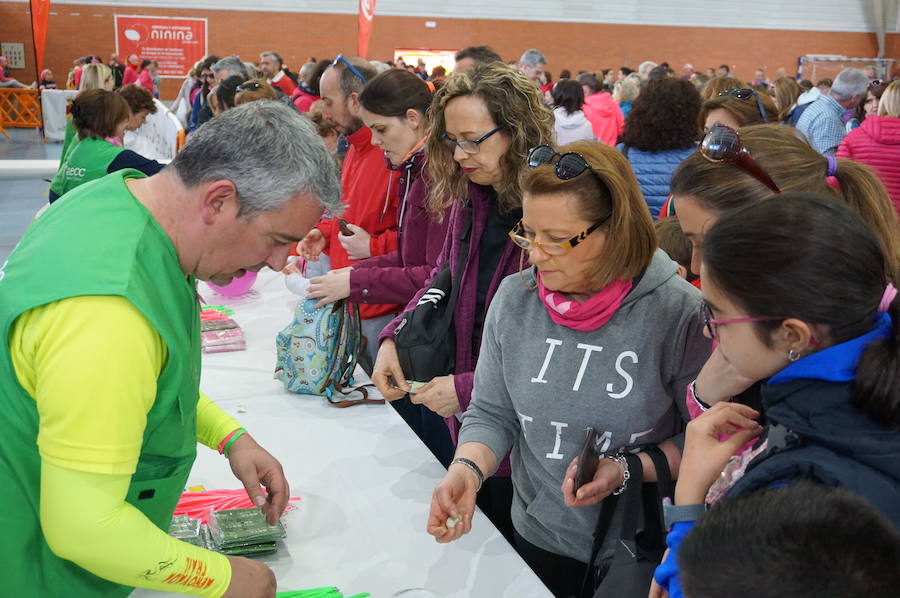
[(745, 93), (341, 60), (723, 145), (249, 86), (568, 165), (875, 82)]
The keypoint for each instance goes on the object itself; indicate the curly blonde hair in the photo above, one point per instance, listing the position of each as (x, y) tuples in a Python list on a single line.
[(515, 104)]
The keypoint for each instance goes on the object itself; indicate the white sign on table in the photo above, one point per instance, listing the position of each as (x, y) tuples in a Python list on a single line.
[(363, 478)]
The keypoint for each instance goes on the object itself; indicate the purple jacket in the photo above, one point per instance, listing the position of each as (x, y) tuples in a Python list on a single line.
[(464, 311), (395, 277)]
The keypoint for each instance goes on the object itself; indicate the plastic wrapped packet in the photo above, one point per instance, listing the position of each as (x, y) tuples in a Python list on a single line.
[(241, 528), (217, 324), (219, 341), (186, 529)]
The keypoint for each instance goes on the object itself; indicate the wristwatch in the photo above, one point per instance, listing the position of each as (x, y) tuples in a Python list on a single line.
[(673, 514)]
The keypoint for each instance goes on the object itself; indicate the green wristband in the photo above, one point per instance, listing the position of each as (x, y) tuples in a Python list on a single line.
[(237, 435)]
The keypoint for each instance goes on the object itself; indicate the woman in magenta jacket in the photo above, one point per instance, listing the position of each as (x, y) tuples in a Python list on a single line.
[(876, 142)]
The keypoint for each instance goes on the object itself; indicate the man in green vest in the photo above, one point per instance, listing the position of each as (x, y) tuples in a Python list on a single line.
[(100, 363)]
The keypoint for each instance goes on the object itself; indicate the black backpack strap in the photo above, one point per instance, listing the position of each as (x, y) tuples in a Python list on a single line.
[(465, 237)]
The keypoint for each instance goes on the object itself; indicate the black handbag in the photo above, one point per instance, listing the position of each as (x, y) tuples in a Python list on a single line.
[(424, 338), (641, 544)]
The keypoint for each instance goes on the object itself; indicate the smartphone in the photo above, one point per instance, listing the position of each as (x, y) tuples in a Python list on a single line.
[(588, 460), (345, 230)]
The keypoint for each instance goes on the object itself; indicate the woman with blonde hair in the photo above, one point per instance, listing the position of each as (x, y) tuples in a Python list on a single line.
[(96, 76), (483, 123), (625, 92), (876, 142), (785, 92), (579, 345)]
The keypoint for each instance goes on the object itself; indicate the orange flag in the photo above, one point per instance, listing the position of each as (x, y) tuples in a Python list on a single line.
[(40, 13), (366, 14)]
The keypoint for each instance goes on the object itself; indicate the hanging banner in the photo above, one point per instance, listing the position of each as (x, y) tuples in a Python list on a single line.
[(366, 15), (175, 43), (40, 14)]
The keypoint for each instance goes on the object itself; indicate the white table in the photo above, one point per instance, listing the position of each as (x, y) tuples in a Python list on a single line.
[(365, 480)]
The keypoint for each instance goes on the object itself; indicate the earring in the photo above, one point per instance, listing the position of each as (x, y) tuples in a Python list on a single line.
[(793, 355), (522, 273)]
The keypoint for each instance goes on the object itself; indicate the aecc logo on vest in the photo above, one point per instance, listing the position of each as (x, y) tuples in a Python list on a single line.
[(73, 172)]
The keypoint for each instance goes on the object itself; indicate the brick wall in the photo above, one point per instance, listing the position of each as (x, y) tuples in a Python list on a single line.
[(77, 30)]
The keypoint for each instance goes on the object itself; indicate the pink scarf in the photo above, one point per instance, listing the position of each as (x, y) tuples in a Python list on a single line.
[(587, 316)]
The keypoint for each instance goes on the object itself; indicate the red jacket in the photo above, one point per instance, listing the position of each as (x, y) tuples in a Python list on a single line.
[(130, 76), (605, 116), (284, 83), (876, 143), (369, 190), (303, 99)]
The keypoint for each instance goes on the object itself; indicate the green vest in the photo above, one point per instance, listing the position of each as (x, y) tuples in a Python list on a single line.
[(100, 241), (87, 161), (69, 141)]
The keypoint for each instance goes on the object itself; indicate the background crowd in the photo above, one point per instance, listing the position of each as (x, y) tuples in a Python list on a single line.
[(699, 269)]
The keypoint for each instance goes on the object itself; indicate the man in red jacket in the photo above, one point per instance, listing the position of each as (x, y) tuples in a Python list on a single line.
[(368, 189), (271, 64)]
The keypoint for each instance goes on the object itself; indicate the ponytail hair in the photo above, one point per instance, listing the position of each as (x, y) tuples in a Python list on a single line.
[(865, 194), (808, 256), (878, 375)]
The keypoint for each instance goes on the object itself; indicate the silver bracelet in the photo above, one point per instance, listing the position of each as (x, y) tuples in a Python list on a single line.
[(474, 467), (623, 463)]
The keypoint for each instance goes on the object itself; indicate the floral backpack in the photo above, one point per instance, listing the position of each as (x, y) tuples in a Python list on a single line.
[(317, 352)]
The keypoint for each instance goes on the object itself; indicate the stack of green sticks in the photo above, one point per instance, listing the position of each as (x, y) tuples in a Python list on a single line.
[(331, 592)]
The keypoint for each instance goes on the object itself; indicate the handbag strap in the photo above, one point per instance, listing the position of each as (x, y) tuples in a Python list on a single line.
[(464, 238), (631, 497), (664, 482), (362, 389)]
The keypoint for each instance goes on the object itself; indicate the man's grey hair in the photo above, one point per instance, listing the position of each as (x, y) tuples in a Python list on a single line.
[(532, 58), (273, 55), (233, 66), (270, 153), (646, 67), (849, 83)]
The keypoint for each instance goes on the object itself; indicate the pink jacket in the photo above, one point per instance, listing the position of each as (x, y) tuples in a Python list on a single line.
[(605, 117), (876, 143)]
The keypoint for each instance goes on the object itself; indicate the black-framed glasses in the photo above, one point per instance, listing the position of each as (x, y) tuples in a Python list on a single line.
[(470, 146), (341, 60), (208, 76), (568, 165), (553, 247), (722, 144), (249, 86), (745, 93)]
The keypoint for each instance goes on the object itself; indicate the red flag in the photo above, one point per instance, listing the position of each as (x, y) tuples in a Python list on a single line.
[(366, 14), (40, 13)]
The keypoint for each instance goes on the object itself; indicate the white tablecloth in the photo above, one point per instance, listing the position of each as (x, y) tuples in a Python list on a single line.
[(53, 110), (365, 480)]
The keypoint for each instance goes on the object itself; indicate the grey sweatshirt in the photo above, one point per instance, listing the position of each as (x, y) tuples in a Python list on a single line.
[(538, 385)]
